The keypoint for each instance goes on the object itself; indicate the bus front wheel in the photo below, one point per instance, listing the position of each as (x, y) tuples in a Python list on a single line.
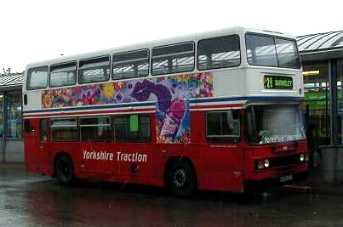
[(181, 179), (64, 170)]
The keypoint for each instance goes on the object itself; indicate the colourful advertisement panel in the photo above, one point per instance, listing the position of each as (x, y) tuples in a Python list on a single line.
[(171, 95)]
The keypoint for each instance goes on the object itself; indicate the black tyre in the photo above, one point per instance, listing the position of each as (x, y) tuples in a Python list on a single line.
[(181, 179), (64, 170)]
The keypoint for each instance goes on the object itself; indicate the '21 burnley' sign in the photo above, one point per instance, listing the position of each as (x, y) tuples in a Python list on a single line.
[(278, 82)]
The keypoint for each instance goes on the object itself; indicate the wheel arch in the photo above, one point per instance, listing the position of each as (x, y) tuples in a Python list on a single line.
[(56, 157), (174, 159)]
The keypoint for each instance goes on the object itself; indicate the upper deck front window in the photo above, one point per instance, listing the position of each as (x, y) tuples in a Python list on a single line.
[(266, 50)]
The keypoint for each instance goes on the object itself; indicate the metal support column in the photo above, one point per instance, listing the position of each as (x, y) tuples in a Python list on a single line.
[(333, 99)]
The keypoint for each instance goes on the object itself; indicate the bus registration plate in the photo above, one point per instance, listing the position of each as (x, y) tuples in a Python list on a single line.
[(286, 178)]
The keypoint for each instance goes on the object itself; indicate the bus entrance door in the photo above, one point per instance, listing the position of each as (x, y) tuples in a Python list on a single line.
[(44, 149), (31, 144)]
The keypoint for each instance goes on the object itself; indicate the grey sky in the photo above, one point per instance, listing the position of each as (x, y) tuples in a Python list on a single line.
[(42, 29)]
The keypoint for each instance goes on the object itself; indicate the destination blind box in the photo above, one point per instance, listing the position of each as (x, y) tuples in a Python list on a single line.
[(278, 82)]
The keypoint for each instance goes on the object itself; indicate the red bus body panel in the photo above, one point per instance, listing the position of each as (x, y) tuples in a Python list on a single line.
[(220, 167)]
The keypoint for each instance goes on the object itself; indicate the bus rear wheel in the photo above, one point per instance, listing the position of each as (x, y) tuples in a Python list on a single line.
[(181, 179), (64, 170)]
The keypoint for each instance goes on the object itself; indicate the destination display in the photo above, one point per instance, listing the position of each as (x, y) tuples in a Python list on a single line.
[(278, 82)]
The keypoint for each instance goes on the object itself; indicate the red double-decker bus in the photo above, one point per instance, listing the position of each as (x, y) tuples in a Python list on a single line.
[(211, 111)]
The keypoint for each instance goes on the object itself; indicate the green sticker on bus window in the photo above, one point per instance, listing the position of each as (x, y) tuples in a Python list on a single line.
[(134, 126)]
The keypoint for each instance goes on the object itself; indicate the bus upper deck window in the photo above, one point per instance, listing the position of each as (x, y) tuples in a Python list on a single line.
[(94, 70), (63, 74), (219, 52), (130, 64), (173, 58), (37, 78)]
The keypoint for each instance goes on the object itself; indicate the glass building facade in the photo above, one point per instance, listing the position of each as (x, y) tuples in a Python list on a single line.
[(11, 123), (322, 59), (13, 115), (317, 98)]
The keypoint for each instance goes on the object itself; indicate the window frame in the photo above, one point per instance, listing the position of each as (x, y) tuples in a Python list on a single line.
[(147, 140), (28, 87), (97, 127), (233, 139), (61, 65), (63, 141), (130, 52), (296, 51), (250, 119), (213, 38), (274, 37), (93, 60), (171, 45)]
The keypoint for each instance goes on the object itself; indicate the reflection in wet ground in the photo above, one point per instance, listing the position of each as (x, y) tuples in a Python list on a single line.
[(31, 200)]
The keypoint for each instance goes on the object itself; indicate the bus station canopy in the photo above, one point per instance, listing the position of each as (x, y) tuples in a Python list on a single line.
[(321, 46), (8, 81)]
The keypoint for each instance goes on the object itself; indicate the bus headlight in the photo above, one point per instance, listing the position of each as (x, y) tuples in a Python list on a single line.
[(301, 157), (262, 164), (266, 163)]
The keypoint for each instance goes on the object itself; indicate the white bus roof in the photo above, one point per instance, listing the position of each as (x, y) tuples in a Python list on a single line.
[(151, 44)]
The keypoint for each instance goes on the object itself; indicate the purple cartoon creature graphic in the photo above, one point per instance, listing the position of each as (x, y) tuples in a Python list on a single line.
[(143, 90), (170, 113), (173, 120)]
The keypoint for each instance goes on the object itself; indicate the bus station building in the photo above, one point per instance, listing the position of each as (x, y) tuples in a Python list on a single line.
[(322, 60), (11, 141)]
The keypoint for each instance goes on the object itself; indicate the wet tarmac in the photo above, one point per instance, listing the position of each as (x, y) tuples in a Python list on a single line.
[(32, 200)]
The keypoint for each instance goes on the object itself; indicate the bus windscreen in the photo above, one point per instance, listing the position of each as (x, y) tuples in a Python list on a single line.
[(274, 124)]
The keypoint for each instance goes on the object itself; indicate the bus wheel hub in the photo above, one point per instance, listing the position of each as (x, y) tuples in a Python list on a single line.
[(180, 178)]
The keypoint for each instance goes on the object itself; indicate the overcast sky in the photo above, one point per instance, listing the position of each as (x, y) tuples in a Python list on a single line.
[(41, 29)]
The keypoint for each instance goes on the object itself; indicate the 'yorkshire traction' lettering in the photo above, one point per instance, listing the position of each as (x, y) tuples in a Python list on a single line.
[(97, 155), (131, 157), (121, 157)]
